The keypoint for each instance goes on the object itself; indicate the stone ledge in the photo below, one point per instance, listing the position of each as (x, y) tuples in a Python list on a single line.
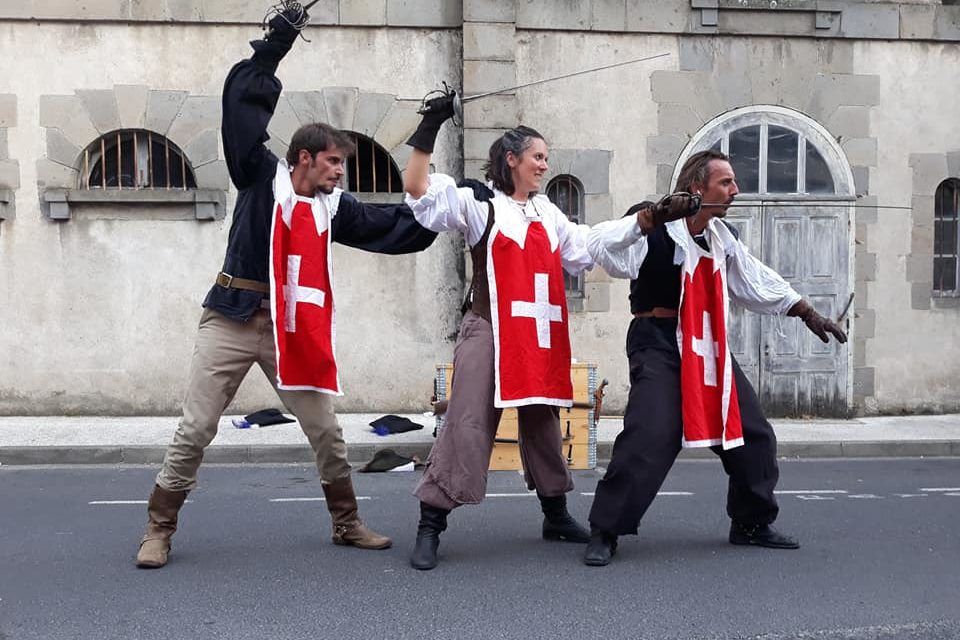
[(361, 453), (208, 204)]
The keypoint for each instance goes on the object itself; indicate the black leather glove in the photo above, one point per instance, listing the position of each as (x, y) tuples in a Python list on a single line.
[(435, 112), (286, 25), (481, 192), (282, 31), (675, 206), (816, 322), (670, 207)]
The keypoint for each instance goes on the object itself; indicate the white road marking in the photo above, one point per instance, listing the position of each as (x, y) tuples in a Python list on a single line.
[(512, 495), (865, 496), (112, 502), (659, 493), (809, 496), (911, 495), (310, 499), (810, 491), (940, 489)]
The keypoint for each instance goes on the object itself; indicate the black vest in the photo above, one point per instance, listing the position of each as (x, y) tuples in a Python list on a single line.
[(658, 282)]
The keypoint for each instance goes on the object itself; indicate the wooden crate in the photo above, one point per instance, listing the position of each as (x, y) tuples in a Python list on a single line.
[(506, 457), (577, 428)]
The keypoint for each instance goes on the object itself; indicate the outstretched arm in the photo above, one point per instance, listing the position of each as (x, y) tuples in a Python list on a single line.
[(620, 246), (415, 177), (250, 96), (759, 288), (435, 113), (379, 228)]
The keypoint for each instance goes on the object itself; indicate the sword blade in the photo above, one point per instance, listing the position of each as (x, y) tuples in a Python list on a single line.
[(846, 308), (819, 204), (307, 6), (561, 77)]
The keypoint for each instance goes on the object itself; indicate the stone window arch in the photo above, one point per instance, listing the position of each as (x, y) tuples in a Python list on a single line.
[(81, 127), (776, 151), (135, 159), (382, 119), (946, 239), (566, 191)]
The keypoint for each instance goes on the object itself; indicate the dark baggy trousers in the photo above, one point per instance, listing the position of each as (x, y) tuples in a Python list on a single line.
[(456, 470), (651, 439)]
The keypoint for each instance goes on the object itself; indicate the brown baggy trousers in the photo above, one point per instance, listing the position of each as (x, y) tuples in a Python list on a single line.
[(456, 470), (224, 352)]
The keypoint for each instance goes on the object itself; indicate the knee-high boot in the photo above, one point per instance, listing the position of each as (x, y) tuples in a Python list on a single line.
[(162, 512), (558, 524), (348, 529), (433, 522)]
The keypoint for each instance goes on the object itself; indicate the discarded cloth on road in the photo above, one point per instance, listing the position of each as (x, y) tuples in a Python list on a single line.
[(389, 424), (389, 460), (262, 418)]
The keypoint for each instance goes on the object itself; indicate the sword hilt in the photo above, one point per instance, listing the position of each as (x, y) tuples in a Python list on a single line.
[(445, 92), (298, 16)]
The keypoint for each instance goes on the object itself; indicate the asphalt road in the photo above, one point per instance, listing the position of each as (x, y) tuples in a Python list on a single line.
[(880, 559)]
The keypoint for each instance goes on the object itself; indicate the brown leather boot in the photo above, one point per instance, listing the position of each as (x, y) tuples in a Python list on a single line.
[(162, 513), (347, 527)]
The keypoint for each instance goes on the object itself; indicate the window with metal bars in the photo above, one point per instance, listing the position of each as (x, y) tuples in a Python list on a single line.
[(566, 192), (135, 159), (946, 239), (371, 169)]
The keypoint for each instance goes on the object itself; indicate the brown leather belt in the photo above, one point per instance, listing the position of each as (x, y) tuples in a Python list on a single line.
[(228, 281), (657, 312)]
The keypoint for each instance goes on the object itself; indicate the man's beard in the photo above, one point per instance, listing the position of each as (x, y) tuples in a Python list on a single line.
[(326, 190)]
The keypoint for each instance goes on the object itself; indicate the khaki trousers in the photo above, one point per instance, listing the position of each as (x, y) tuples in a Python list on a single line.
[(456, 470), (224, 352)]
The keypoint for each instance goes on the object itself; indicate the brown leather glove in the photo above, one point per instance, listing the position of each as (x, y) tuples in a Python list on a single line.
[(816, 322), (671, 207)]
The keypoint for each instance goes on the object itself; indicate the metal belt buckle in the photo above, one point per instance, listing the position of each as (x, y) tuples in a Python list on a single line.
[(229, 279)]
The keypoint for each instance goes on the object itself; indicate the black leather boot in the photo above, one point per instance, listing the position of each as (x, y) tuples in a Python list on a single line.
[(433, 521), (761, 535), (558, 524), (600, 549)]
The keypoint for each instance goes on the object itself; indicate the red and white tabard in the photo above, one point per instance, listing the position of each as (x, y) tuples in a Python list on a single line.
[(528, 308), (302, 296)]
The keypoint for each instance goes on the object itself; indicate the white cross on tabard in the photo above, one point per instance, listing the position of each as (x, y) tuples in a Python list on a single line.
[(294, 293), (540, 309), (707, 349)]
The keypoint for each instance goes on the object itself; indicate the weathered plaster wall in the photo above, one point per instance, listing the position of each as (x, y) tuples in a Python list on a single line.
[(101, 313), (611, 110), (915, 352)]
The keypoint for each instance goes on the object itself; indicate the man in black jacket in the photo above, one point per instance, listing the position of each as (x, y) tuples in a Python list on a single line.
[(236, 329)]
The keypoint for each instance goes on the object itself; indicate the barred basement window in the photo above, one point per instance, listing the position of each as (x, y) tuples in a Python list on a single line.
[(946, 239), (566, 192), (371, 169), (135, 159)]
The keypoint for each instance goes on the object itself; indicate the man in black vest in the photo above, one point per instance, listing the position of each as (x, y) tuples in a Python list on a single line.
[(236, 329), (648, 246)]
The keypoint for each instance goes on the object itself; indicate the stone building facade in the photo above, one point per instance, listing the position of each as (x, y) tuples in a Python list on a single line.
[(841, 118)]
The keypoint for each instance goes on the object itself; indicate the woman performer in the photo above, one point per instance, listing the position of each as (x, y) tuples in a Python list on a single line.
[(514, 346)]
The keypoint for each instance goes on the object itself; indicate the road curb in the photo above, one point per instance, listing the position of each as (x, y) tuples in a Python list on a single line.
[(360, 453)]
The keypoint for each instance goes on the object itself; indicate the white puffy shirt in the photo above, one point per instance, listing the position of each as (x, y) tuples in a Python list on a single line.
[(620, 248)]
